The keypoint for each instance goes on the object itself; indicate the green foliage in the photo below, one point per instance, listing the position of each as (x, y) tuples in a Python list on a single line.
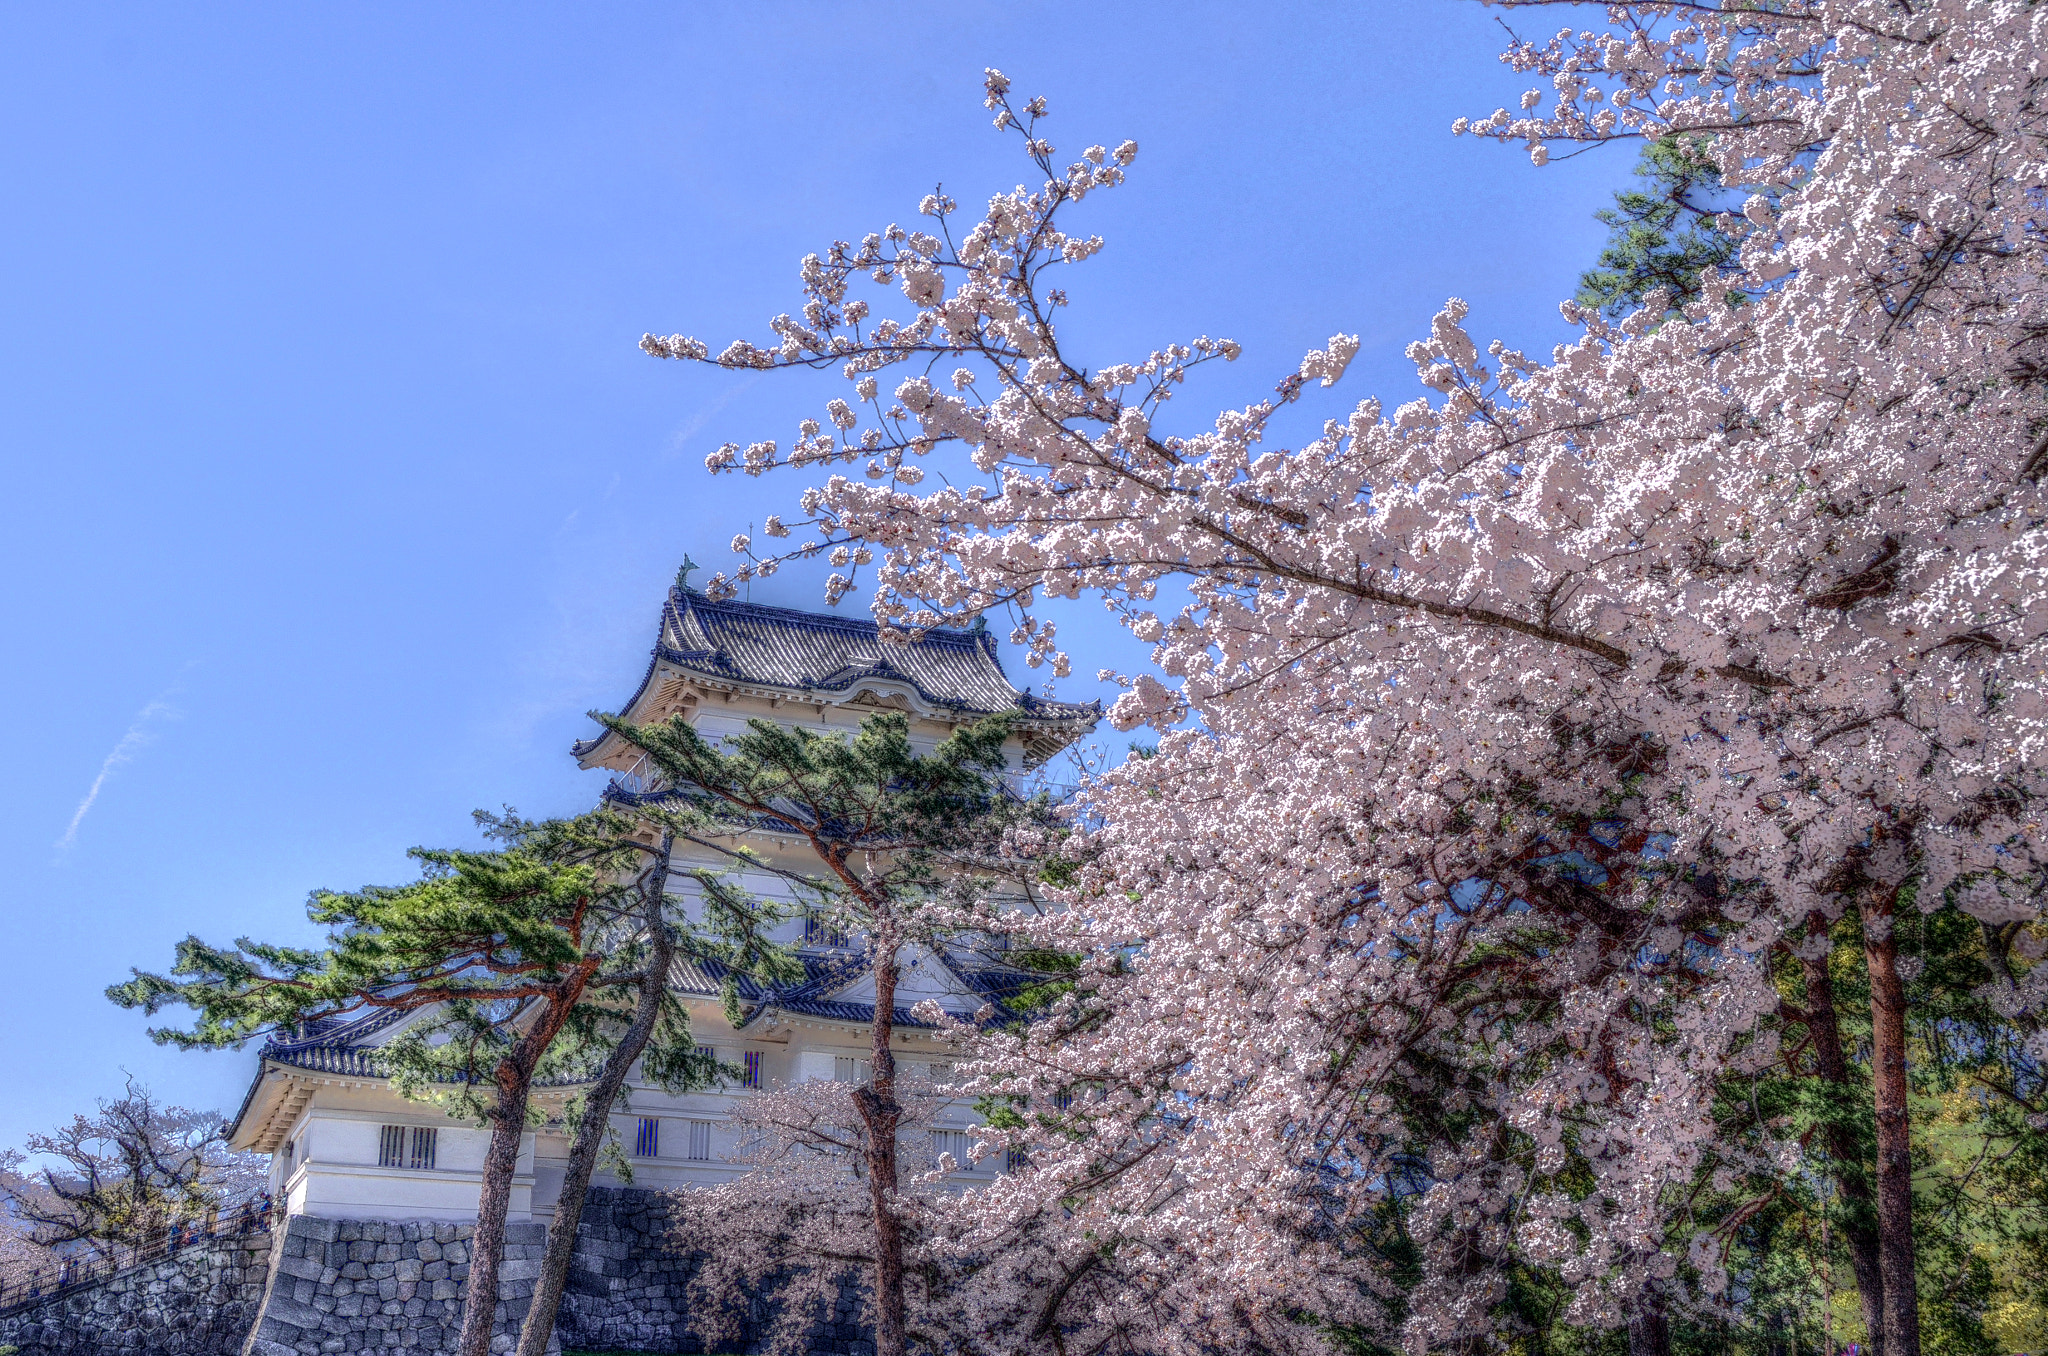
[(1980, 1126), (484, 929), (1057, 969), (1662, 234), (926, 837), (1980, 1163), (480, 944)]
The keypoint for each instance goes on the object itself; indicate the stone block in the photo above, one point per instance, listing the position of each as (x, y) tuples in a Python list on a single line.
[(286, 1313), (307, 1227)]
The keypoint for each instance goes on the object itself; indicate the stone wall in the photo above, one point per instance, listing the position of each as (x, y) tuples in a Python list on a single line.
[(199, 1301), (322, 1286), (392, 1288), (629, 1279)]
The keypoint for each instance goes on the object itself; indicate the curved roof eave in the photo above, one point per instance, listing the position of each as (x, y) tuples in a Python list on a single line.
[(825, 658)]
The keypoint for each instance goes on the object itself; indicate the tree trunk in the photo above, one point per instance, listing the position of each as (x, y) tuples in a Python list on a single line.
[(1649, 1331), (494, 1200), (878, 1108), (590, 1130), (508, 1124), (1859, 1211), (1894, 1133)]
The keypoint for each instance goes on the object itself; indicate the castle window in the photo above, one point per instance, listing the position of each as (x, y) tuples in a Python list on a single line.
[(957, 1143), (424, 1142), (647, 1143), (820, 930), (700, 1140), (391, 1147), (848, 1069), (750, 1069), (1015, 1160)]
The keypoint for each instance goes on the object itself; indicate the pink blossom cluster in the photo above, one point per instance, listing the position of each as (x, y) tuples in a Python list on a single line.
[(1505, 734)]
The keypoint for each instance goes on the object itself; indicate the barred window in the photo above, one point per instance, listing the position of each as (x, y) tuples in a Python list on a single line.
[(647, 1143), (391, 1147), (820, 930), (750, 1069), (424, 1142), (958, 1143), (848, 1069), (700, 1140), (1015, 1160)]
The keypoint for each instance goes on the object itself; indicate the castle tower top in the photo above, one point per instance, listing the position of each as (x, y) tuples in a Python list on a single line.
[(731, 647)]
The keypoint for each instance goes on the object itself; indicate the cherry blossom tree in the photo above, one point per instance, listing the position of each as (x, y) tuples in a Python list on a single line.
[(127, 1175), (803, 1217), (1599, 677)]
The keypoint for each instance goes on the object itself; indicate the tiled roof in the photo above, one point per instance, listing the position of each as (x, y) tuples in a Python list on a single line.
[(825, 976), (826, 656), (343, 1046), (334, 1045)]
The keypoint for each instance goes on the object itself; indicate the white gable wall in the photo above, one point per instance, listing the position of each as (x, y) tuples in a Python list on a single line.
[(919, 975)]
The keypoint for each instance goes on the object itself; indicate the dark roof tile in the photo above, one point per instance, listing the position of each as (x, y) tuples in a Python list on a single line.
[(825, 656), (337, 1046)]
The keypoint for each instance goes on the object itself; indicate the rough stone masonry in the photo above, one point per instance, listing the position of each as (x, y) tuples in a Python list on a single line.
[(324, 1286), (393, 1288), (629, 1283), (199, 1301)]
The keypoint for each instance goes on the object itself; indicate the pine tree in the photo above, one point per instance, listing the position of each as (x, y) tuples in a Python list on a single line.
[(908, 848), (522, 956), (1663, 234), (654, 1033)]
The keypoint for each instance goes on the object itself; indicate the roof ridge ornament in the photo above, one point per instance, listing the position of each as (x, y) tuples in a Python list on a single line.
[(683, 574)]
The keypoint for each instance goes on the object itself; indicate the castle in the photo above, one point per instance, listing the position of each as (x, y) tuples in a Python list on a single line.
[(344, 1145)]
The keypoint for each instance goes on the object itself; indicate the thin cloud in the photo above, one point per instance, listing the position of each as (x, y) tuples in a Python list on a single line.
[(123, 752), (705, 414)]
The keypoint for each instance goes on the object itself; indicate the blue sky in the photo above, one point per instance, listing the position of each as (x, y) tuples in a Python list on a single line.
[(337, 491)]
